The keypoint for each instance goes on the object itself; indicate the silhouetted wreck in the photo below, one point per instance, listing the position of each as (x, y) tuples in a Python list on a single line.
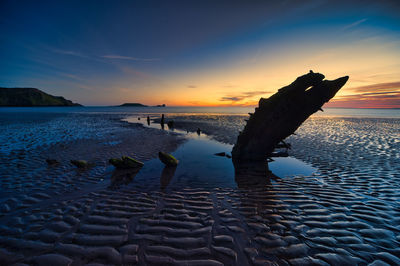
[(280, 115)]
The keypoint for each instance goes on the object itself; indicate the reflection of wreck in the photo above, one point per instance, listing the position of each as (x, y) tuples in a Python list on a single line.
[(252, 174), (280, 115)]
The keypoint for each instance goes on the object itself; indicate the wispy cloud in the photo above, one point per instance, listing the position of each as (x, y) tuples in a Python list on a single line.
[(191, 86), (354, 24), (377, 87), (228, 86), (69, 52), (242, 96), (380, 93), (121, 57), (388, 99), (110, 56), (70, 76), (232, 99)]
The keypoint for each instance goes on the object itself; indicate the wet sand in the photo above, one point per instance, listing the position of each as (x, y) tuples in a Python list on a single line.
[(344, 214)]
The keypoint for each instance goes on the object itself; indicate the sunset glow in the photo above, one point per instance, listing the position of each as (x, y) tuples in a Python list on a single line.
[(201, 55)]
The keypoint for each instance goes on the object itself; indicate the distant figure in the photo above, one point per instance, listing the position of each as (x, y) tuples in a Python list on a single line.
[(162, 121), (148, 120), (138, 118), (198, 131)]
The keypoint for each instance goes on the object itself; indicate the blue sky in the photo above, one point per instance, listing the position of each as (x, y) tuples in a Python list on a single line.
[(197, 52)]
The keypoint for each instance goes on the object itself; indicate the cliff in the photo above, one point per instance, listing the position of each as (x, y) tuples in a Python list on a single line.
[(25, 97)]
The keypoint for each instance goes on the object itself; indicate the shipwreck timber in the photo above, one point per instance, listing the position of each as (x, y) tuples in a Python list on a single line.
[(280, 115)]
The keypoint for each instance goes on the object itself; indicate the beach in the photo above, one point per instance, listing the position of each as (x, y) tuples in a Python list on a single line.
[(334, 201)]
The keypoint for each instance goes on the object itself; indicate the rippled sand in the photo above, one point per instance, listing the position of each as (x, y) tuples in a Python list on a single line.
[(346, 214)]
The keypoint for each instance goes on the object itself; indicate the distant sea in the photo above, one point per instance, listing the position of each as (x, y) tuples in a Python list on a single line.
[(334, 112)]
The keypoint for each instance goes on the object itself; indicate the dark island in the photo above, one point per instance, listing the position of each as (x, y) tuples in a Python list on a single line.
[(133, 105), (27, 97), (138, 105)]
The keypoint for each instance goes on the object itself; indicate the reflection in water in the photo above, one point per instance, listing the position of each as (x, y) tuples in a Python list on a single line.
[(199, 166), (252, 174), (123, 177), (166, 176)]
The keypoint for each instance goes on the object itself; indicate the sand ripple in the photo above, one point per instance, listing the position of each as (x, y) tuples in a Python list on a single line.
[(347, 214)]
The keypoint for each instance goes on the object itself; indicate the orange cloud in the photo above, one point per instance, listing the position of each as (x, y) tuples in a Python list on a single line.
[(377, 87), (242, 96), (389, 99), (379, 95)]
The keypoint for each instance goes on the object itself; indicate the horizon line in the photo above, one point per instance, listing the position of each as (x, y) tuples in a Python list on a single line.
[(244, 106)]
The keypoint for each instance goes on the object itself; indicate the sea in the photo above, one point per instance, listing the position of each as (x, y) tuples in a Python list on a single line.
[(342, 112)]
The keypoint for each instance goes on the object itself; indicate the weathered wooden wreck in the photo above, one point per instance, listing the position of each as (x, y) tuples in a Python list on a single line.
[(280, 115)]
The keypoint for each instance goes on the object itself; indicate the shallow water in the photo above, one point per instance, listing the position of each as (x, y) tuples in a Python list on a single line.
[(345, 213), (200, 167)]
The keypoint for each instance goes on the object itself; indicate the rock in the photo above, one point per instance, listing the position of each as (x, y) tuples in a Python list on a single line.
[(116, 162), (52, 162), (170, 124), (80, 163), (283, 144), (125, 162), (280, 115), (222, 154), (130, 162), (167, 159), (279, 154)]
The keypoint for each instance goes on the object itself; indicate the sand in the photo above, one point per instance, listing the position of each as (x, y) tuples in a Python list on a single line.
[(345, 214)]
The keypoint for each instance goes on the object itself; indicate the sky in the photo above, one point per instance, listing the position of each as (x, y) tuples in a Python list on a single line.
[(200, 53)]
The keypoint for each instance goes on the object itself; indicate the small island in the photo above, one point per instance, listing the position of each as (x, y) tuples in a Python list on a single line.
[(133, 105), (138, 105), (29, 97)]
